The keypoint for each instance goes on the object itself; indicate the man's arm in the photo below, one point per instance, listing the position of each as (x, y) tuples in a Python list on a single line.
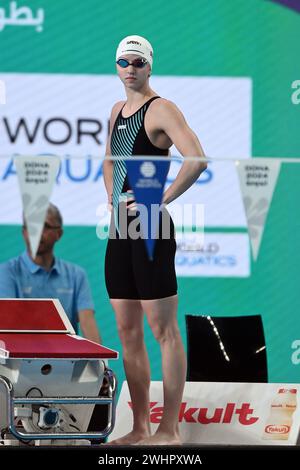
[(88, 325), (172, 122), (85, 306), (8, 285), (109, 164)]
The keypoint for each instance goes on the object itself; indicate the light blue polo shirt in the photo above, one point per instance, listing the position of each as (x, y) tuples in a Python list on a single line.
[(20, 277)]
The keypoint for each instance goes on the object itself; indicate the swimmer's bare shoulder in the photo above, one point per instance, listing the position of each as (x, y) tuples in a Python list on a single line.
[(113, 116), (163, 109), (115, 111)]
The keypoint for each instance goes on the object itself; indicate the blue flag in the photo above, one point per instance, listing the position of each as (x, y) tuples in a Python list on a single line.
[(147, 179)]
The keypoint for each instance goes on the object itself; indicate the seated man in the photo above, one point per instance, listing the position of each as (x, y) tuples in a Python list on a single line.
[(48, 277)]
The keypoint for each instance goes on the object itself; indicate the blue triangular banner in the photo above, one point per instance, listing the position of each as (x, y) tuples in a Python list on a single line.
[(147, 180), (293, 4)]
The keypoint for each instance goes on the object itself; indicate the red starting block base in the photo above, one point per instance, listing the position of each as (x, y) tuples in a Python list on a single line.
[(34, 330)]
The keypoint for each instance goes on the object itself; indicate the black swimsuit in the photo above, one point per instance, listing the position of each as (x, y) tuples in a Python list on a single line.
[(129, 274)]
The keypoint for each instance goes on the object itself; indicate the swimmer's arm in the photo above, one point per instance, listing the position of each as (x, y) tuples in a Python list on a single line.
[(108, 174), (108, 165), (173, 123)]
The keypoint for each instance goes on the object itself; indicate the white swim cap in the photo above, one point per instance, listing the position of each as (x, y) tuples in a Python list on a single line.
[(136, 45)]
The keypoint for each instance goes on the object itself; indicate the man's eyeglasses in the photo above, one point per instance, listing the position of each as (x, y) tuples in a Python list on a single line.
[(51, 227), (137, 63), (46, 227)]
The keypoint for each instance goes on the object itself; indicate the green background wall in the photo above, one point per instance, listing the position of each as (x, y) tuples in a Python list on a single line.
[(253, 38)]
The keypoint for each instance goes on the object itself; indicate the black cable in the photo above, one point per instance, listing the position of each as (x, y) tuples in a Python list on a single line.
[(75, 427), (34, 388)]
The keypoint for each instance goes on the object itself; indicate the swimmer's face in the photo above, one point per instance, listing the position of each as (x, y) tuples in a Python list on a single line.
[(133, 70)]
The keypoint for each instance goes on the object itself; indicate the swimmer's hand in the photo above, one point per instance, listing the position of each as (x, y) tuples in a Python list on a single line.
[(131, 204)]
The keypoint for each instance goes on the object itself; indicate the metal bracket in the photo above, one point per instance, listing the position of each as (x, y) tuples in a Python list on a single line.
[(12, 401)]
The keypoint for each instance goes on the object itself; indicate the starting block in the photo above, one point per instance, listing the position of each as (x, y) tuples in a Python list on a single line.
[(50, 378)]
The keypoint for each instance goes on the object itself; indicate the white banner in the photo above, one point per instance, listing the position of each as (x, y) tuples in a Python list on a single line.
[(224, 413), (67, 115), (212, 254), (2, 92), (257, 180), (36, 177)]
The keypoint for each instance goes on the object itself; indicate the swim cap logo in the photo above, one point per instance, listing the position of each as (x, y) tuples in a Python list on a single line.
[(134, 42)]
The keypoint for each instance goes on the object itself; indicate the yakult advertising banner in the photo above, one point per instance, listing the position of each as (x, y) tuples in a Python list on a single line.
[(224, 413)]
